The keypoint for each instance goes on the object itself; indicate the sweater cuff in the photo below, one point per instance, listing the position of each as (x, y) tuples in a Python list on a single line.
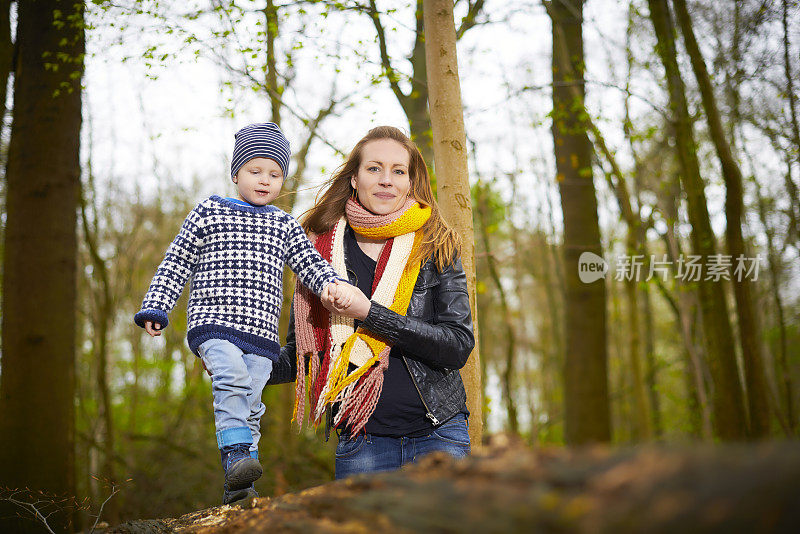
[(384, 322), (157, 316)]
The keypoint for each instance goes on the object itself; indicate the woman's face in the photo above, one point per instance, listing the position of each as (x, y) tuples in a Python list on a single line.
[(382, 180)]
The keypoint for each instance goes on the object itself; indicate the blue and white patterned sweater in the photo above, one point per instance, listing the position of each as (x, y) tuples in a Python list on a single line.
[(234, 254)]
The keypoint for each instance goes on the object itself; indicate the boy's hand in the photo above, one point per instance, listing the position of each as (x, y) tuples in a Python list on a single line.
[(344, 295), (154, 329), (325, 296)]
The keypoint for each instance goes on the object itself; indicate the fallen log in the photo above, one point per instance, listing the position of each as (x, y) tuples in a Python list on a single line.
[(509, 488)]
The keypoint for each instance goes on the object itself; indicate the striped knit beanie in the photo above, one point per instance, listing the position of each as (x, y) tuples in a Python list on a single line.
[(261, 140)]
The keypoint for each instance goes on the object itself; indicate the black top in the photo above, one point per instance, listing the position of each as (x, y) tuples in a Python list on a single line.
[(400, 411)]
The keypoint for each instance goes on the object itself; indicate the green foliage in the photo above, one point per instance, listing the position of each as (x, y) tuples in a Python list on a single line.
[(486, 196)]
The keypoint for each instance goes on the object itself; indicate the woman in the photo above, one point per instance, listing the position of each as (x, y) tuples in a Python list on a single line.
[(388, 365)]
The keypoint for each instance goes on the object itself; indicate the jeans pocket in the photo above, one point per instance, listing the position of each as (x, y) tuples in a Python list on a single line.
[(454, 431), (349, 445)]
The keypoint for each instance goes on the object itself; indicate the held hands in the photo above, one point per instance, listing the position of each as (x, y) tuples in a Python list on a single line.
[(337, 294), (344, 299)]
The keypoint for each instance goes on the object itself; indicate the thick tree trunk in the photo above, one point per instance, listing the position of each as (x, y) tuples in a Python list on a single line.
[(450, 150), (749, 331), (586, 399), (730, 421), (39, 279)]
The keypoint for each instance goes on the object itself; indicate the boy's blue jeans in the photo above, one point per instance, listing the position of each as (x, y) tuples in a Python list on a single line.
[(367, 453), (237, 380)]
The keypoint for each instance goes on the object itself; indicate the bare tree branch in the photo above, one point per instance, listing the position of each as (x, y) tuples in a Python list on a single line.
[(469, 21), (386, 62)]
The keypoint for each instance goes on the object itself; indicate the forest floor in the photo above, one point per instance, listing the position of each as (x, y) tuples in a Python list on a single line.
[(507, 487)]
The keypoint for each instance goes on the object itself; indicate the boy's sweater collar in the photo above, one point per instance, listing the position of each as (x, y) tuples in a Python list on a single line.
[(238, 205)]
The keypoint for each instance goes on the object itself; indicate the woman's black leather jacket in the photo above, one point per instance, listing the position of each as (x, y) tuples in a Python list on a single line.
[(434, 339)]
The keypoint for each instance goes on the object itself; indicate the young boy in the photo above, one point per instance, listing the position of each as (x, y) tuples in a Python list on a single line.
[(234, 250)]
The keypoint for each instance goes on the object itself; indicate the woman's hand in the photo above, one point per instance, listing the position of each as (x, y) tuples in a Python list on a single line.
[(358, 308)]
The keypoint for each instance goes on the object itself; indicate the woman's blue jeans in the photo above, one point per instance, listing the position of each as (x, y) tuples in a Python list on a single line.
[(367, 453), (237, 380)]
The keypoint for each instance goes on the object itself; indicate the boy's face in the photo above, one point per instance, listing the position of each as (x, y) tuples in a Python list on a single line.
[(259, 181)]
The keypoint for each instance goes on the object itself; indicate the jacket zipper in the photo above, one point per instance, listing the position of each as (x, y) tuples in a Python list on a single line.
[(429, 414)]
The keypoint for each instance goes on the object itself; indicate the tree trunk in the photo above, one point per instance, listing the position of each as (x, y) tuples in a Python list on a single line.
[(621, 402), (685, 310), (775, 264), (730, 421), (651, 366), (449, 146), (749, 331), (531, 391), (641, 409), (685, 307), (416, 105), (415, 102), (39, 280), (553, 353), (586, 399), (634, 246), (650, 362), (791, 187), (6, 55), (508, 320), (275, 91), (103, 308), (538, 264)]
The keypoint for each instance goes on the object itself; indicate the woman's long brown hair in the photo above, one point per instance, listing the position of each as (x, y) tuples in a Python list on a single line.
[(440, 241)]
